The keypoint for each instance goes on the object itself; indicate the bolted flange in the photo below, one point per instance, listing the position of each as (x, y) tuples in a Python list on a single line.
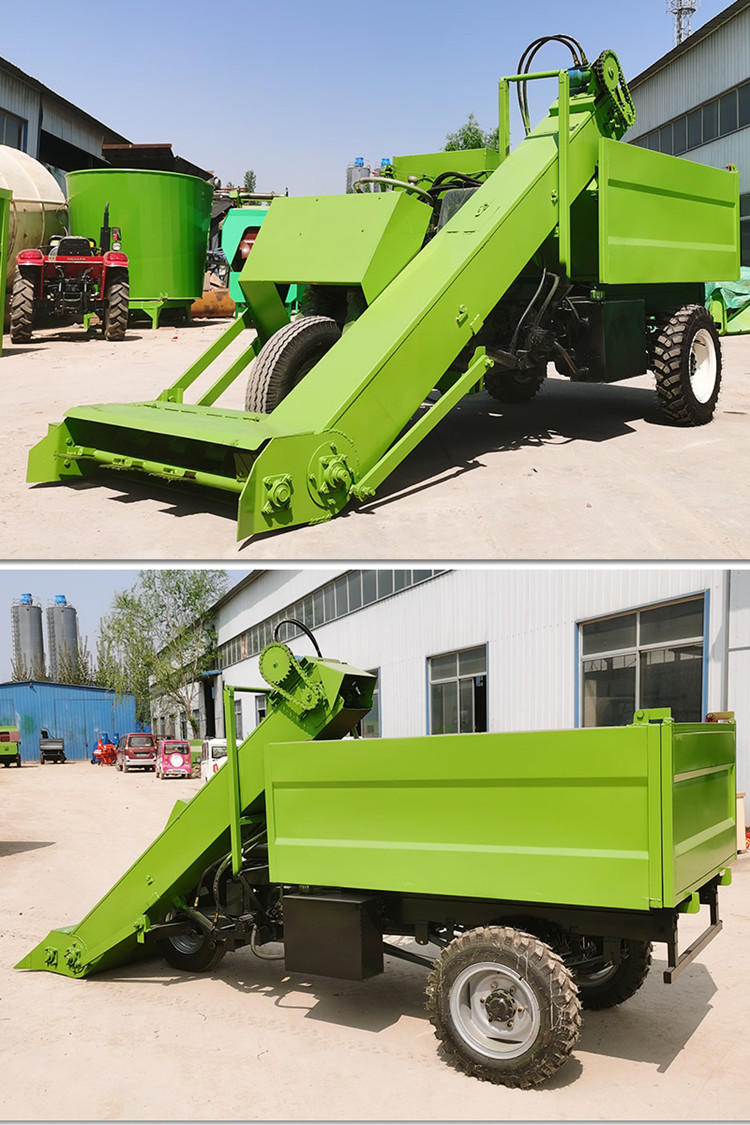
[(279, 489)]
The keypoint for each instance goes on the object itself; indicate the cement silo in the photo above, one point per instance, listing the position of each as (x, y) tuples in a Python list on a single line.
[(28, 642), (62, 634)]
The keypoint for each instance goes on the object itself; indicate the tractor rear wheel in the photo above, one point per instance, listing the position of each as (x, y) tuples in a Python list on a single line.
[(613, 983), (514, 386), (22, 308), (504, 1006), (286, 358), (116, 312), (687, 365), (194, 952)]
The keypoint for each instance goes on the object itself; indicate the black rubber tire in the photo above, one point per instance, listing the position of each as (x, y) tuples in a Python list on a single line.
[(286, 358), (22, 308), (41, 759), (203, 955), (514, 386), (674, 363), (553, 1005), (613, 984), (117, 308)]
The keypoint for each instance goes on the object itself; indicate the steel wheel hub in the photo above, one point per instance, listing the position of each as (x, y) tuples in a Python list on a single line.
[(494, 1010), (702, 365)]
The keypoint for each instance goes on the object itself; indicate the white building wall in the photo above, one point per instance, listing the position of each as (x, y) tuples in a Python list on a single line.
[(739, 672), (527, 617), (713, 65)]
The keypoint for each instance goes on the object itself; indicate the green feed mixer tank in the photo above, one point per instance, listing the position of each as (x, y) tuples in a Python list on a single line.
[(164, 218)]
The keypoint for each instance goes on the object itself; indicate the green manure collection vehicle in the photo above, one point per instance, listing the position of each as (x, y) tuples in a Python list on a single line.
[(533, 870), (452, 272), (10, 746)]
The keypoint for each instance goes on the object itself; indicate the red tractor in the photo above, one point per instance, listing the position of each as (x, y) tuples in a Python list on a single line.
[(69, 279)]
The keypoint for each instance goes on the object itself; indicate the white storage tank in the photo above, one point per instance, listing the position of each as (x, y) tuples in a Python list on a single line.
[(38, 209)]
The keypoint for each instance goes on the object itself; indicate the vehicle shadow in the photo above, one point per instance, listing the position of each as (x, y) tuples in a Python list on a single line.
[(15, 847), (560, 414), (370, 1005), (655, 1024)]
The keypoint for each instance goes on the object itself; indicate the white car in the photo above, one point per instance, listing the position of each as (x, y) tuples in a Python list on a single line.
[(213, 757)]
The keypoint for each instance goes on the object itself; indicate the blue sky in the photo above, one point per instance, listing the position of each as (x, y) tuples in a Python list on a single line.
[(296, 90), (89, 588)]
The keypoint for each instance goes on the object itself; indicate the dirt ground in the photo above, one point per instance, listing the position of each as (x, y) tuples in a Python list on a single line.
[(249, 1041), (582, 472)]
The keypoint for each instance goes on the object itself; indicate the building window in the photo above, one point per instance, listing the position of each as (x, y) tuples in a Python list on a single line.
[(238, 733), (12, 130), (344, 595), (647, 658), (261, 709), (745, 230), (458, 691), (369, 727), (717, 118)]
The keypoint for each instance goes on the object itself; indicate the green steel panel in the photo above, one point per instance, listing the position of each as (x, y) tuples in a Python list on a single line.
[(426, 166), (664, 219), (550, 816), (164, 218), (699, 805), (358, 239)]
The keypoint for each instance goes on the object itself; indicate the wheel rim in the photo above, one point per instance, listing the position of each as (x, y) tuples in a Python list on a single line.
[(188, 943), (593, 977), (703, 365), (494, 1010)]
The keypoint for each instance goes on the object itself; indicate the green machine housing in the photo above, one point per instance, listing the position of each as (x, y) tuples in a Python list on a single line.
[(240, 227), (10, 746), (589, 839), (459, 270)]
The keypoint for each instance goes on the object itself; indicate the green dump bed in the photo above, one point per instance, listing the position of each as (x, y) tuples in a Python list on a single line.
[(629, 817)]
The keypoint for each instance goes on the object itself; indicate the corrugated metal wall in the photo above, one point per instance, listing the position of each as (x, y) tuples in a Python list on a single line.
[(527, 618), (76, 714), (16, 97), (713, 65)]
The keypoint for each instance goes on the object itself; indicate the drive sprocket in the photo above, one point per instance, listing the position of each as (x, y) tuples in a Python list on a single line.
[(611, 81)]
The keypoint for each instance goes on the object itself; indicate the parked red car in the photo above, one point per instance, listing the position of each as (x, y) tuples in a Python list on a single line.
[(173, 758), (136, 751)]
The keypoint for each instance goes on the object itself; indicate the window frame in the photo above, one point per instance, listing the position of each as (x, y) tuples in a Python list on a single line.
[(638, 649), (457, 680)]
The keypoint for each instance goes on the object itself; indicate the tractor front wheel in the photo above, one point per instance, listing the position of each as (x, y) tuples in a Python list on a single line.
[(116, 311), (286, 358), (514, 386), (504, 1006), (22, 308), (687, 365), (193, 952)]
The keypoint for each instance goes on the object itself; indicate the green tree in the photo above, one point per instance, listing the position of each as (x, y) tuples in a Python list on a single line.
[(158, 637), (22, 671), (470, 135), (74, 665), (249, 183)]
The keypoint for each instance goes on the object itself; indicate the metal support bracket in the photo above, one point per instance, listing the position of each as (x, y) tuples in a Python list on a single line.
[(678, 962), (365, 487)]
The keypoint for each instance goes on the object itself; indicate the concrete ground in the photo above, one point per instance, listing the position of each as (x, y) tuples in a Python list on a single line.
[(582, 472), (250, 1042)]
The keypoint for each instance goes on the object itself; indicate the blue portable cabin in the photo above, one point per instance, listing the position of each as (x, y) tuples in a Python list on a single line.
[(78, 715)]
